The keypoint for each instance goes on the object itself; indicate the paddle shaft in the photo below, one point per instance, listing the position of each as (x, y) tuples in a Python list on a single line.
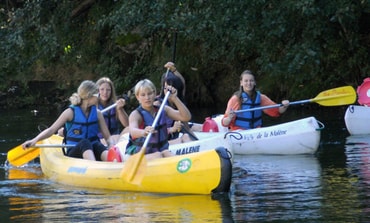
[(273, 106), (147, 139), (109, 108), (157, 116), (130, 171), (51, 146), (332, 97), (186, 129)]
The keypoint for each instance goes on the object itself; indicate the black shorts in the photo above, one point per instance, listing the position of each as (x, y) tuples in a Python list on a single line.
[(97, 147)]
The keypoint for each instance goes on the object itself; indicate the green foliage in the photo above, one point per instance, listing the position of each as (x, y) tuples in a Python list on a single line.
[(296, 48)]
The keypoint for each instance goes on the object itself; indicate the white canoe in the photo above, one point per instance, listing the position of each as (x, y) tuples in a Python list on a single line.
[(357, 119), (206, 142), (296, 137)]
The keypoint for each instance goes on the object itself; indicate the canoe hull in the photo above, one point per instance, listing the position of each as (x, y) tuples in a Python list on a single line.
[(206, 142), (296, 137), (197, 173), (357, 120)]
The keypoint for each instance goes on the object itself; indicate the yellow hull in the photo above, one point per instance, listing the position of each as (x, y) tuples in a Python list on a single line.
[(196, 173)]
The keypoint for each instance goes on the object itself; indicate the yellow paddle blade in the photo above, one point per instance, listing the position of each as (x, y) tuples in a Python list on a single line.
[(336, 96), (19, 156), (133, 170)]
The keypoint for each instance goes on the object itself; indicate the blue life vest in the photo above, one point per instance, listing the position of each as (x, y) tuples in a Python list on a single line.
[(169, 122), (250, 119), (82, 127), (110, 118), (158, 140)]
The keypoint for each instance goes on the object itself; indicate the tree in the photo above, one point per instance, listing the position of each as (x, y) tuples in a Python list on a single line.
[(296, 48)]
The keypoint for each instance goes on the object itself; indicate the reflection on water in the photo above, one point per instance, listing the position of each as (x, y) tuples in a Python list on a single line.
[(357, 150), (358, 158), (278, 188), (30, 197)]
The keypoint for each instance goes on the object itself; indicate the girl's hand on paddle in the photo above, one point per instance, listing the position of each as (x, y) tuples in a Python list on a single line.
[(171, 66), (177, 125), (149, 129), (28, 144), (173, 91), (231, 114), (285, 103), (121, 103)]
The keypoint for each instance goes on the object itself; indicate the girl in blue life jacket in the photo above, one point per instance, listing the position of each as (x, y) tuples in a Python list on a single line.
[(82, 121), (174, 78), (115, 118), (141, 119), (247, 97)]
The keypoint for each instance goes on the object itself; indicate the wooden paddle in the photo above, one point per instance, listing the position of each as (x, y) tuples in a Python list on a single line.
[(130, 170), (332, 97)]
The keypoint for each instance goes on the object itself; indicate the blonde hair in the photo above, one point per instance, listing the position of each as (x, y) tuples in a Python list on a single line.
[(144, 85), (113, 96), (85, 91)]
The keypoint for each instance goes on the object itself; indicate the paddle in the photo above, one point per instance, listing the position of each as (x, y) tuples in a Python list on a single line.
[(19, 156), (124, 96), (130, 168), (52, 146), (185, 126), (109, 108), (332, 97), (186, 129)]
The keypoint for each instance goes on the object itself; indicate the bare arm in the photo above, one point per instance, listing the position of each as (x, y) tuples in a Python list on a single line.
[(66, 116), (122, 114), (229, 116), (273, 112), (171, 66), (104, 129), (134, 125), (182, 113)]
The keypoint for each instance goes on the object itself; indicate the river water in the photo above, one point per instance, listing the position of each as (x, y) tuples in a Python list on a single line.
[(331, 186)]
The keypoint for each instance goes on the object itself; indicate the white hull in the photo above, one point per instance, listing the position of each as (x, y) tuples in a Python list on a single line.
[(210, 141), (357, 120), (296, 137)]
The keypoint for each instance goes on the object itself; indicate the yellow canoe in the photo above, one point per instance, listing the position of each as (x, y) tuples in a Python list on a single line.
[(196, 173)]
